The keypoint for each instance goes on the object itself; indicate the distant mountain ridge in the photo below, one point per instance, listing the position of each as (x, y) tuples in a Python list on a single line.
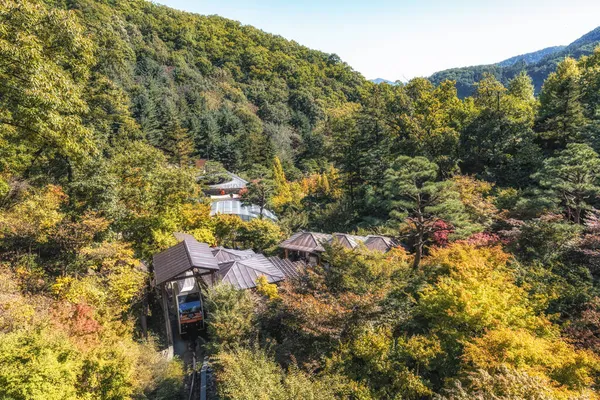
[(381, 80), (531, 58), (538, 65)]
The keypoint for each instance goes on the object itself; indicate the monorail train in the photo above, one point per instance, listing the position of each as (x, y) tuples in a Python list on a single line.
[(190, 309)]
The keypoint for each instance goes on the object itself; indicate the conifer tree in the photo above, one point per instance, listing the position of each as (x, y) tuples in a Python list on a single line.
[(419, 201), (561, 118), (572, 177), (282, 192), (177, 143)]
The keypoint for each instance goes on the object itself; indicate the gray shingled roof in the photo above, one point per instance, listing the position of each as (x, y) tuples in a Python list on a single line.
[(287, 267), (381, 243), (310, 242), (242, 274), (224, 255), (348, 241), (184, 256)]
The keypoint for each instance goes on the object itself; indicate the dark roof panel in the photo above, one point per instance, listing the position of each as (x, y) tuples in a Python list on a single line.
[(287, 268), (380, 243), (182, 257), (242, 274), (224, 255), (306, 241), (201, 255)]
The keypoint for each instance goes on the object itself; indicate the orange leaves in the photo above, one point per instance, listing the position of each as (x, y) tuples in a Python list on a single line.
[(79, 321), (315, 314)]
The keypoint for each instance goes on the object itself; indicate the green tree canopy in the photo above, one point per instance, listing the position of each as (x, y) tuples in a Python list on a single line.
[(419, 201), (572, 177)]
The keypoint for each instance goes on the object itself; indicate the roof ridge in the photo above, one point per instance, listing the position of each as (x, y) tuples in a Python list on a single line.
[(188, 253)]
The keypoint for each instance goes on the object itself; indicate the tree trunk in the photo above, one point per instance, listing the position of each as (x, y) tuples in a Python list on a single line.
[(419, 248), (418, 256)]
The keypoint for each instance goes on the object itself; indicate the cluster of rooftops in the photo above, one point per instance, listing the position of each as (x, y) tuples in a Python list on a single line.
[(241, 268), (312, 242)]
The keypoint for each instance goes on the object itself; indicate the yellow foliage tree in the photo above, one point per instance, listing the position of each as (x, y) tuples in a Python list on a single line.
[(550, 358), (35, 217), (283, 192), (267, 289)]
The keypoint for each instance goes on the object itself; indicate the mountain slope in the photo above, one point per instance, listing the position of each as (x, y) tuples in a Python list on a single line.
[(240, 94), (537, 64)]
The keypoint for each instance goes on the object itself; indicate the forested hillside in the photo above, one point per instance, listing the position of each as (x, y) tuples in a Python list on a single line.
[(104, 105), (538, 65)]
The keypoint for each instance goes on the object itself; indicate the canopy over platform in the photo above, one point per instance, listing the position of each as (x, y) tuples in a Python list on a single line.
[(236, 207), (242, 272), (186, 255)]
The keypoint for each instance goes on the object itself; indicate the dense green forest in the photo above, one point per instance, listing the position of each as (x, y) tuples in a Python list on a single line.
[(104, 105), (538, 65)]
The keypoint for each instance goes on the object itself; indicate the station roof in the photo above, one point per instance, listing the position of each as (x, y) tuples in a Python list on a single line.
[(186, 255), (288, 268), (348, 241), (242, 274)]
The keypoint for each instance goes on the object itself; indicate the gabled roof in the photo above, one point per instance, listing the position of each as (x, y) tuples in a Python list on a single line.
[(184, 256), (348, 241), (381, 243), (306, 241), (242, 274), (312, 242), (224, 255)]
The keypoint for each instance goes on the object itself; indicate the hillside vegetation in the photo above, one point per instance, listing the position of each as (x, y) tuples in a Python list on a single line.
[(104, 105)]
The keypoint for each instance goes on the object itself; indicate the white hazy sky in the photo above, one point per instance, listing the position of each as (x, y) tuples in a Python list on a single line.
[(402, 39)]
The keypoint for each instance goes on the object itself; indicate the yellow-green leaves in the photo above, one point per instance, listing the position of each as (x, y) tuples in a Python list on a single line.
[(45, 60)]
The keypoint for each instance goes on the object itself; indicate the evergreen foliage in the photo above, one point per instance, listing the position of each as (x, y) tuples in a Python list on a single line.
[(105, 106)]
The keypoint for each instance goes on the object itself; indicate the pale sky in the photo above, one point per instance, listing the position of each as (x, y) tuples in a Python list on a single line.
[(402, 39)]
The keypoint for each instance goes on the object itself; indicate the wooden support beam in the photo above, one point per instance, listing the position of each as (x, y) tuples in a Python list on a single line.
[(165, 304)]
